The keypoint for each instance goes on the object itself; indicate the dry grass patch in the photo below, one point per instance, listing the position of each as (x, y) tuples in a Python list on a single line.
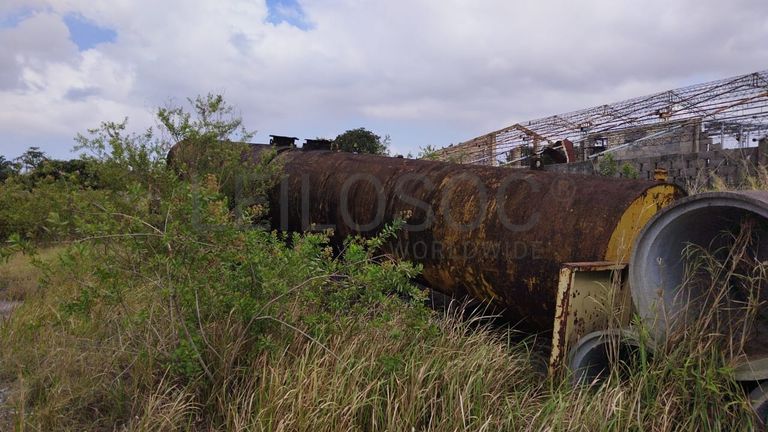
[(19, 276)]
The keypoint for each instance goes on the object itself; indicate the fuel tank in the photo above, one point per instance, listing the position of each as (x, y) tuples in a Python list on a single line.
[(496, 234)]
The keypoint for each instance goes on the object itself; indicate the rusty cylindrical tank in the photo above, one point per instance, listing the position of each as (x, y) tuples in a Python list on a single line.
[(495, 234)]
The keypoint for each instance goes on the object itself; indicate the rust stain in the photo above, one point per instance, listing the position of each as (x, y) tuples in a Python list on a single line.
[(516, 268), (555, 219)]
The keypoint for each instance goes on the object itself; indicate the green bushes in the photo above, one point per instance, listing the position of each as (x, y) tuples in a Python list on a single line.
[(47, 210), (133, 308), (169, 309), (238, 331), (608, 166), (361, 140), (204, 325), (166, 293)]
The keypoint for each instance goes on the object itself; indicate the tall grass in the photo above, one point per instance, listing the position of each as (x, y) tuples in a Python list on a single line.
[(237, 330), (163, 313), (19, 276), (754, 176), (725, 290), (111, 371)]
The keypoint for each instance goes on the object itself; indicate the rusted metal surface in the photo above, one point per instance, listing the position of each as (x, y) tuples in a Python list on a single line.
[(570, 152), (317, 144), (495, 234), (591, 296), (282, 141)]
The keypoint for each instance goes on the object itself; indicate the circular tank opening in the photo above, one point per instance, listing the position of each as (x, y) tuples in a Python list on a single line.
[(758, 398), (704, 261), (601, 353)]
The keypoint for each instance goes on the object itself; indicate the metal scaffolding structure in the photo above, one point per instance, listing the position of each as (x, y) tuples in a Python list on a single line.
[(724, 114)]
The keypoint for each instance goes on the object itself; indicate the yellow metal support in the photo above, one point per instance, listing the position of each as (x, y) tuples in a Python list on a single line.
[(637, 214), (591, 296)]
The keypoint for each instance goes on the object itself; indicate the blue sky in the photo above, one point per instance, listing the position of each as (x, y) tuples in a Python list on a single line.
[(83, 32), (288, 11), (425, 72), (11, 19), (86, 34)]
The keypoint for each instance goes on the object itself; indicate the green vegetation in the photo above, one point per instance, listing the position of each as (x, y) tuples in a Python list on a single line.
[(165, 307), (608, 166), (754, 177), (361, 140), (31, 159), (7, 168), (428, 152), (19, 275), (629, 171)]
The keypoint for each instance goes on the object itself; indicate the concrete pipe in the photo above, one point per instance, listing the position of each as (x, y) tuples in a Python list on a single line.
[(597, 354), (668, 295), (758, 399)]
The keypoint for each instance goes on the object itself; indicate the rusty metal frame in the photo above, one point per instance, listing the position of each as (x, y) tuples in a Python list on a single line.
[(591, 296), (741, 100)]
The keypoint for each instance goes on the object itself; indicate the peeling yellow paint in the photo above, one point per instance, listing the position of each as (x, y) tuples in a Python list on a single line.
[(634, 218), (590, 296)]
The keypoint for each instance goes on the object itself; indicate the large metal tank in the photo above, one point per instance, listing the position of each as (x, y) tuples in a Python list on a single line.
[(496, 234)]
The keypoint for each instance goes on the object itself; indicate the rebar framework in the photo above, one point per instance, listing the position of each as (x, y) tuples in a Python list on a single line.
[(725, 113)]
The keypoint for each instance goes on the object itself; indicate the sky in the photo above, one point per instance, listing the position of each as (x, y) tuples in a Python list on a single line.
[(424, 72)]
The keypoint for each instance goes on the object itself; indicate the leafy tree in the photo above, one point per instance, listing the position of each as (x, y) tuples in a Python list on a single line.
[(75, 170), (212, 135), (211, 148), (32, 159), (361, 140), (127, 157), (121, 158), (7, 168), (212, 120), (213, 142)]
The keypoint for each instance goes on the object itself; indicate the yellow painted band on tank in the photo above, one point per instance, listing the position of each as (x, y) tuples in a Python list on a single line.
[(634, 218)]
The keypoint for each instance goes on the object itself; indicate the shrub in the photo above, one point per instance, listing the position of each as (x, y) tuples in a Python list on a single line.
[(607, 166), (629, 171), (361, 140), (172, 311), (46, 211)]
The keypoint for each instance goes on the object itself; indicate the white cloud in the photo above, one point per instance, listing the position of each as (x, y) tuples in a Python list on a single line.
[(446, 70), (27, 48), (47, 68)]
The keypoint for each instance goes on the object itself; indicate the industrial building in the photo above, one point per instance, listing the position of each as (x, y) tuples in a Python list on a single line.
[(727, 114)]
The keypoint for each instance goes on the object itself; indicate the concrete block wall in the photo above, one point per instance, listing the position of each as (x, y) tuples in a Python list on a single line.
[(689, 170), (586, 167), (480, 150), (675, 138)]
